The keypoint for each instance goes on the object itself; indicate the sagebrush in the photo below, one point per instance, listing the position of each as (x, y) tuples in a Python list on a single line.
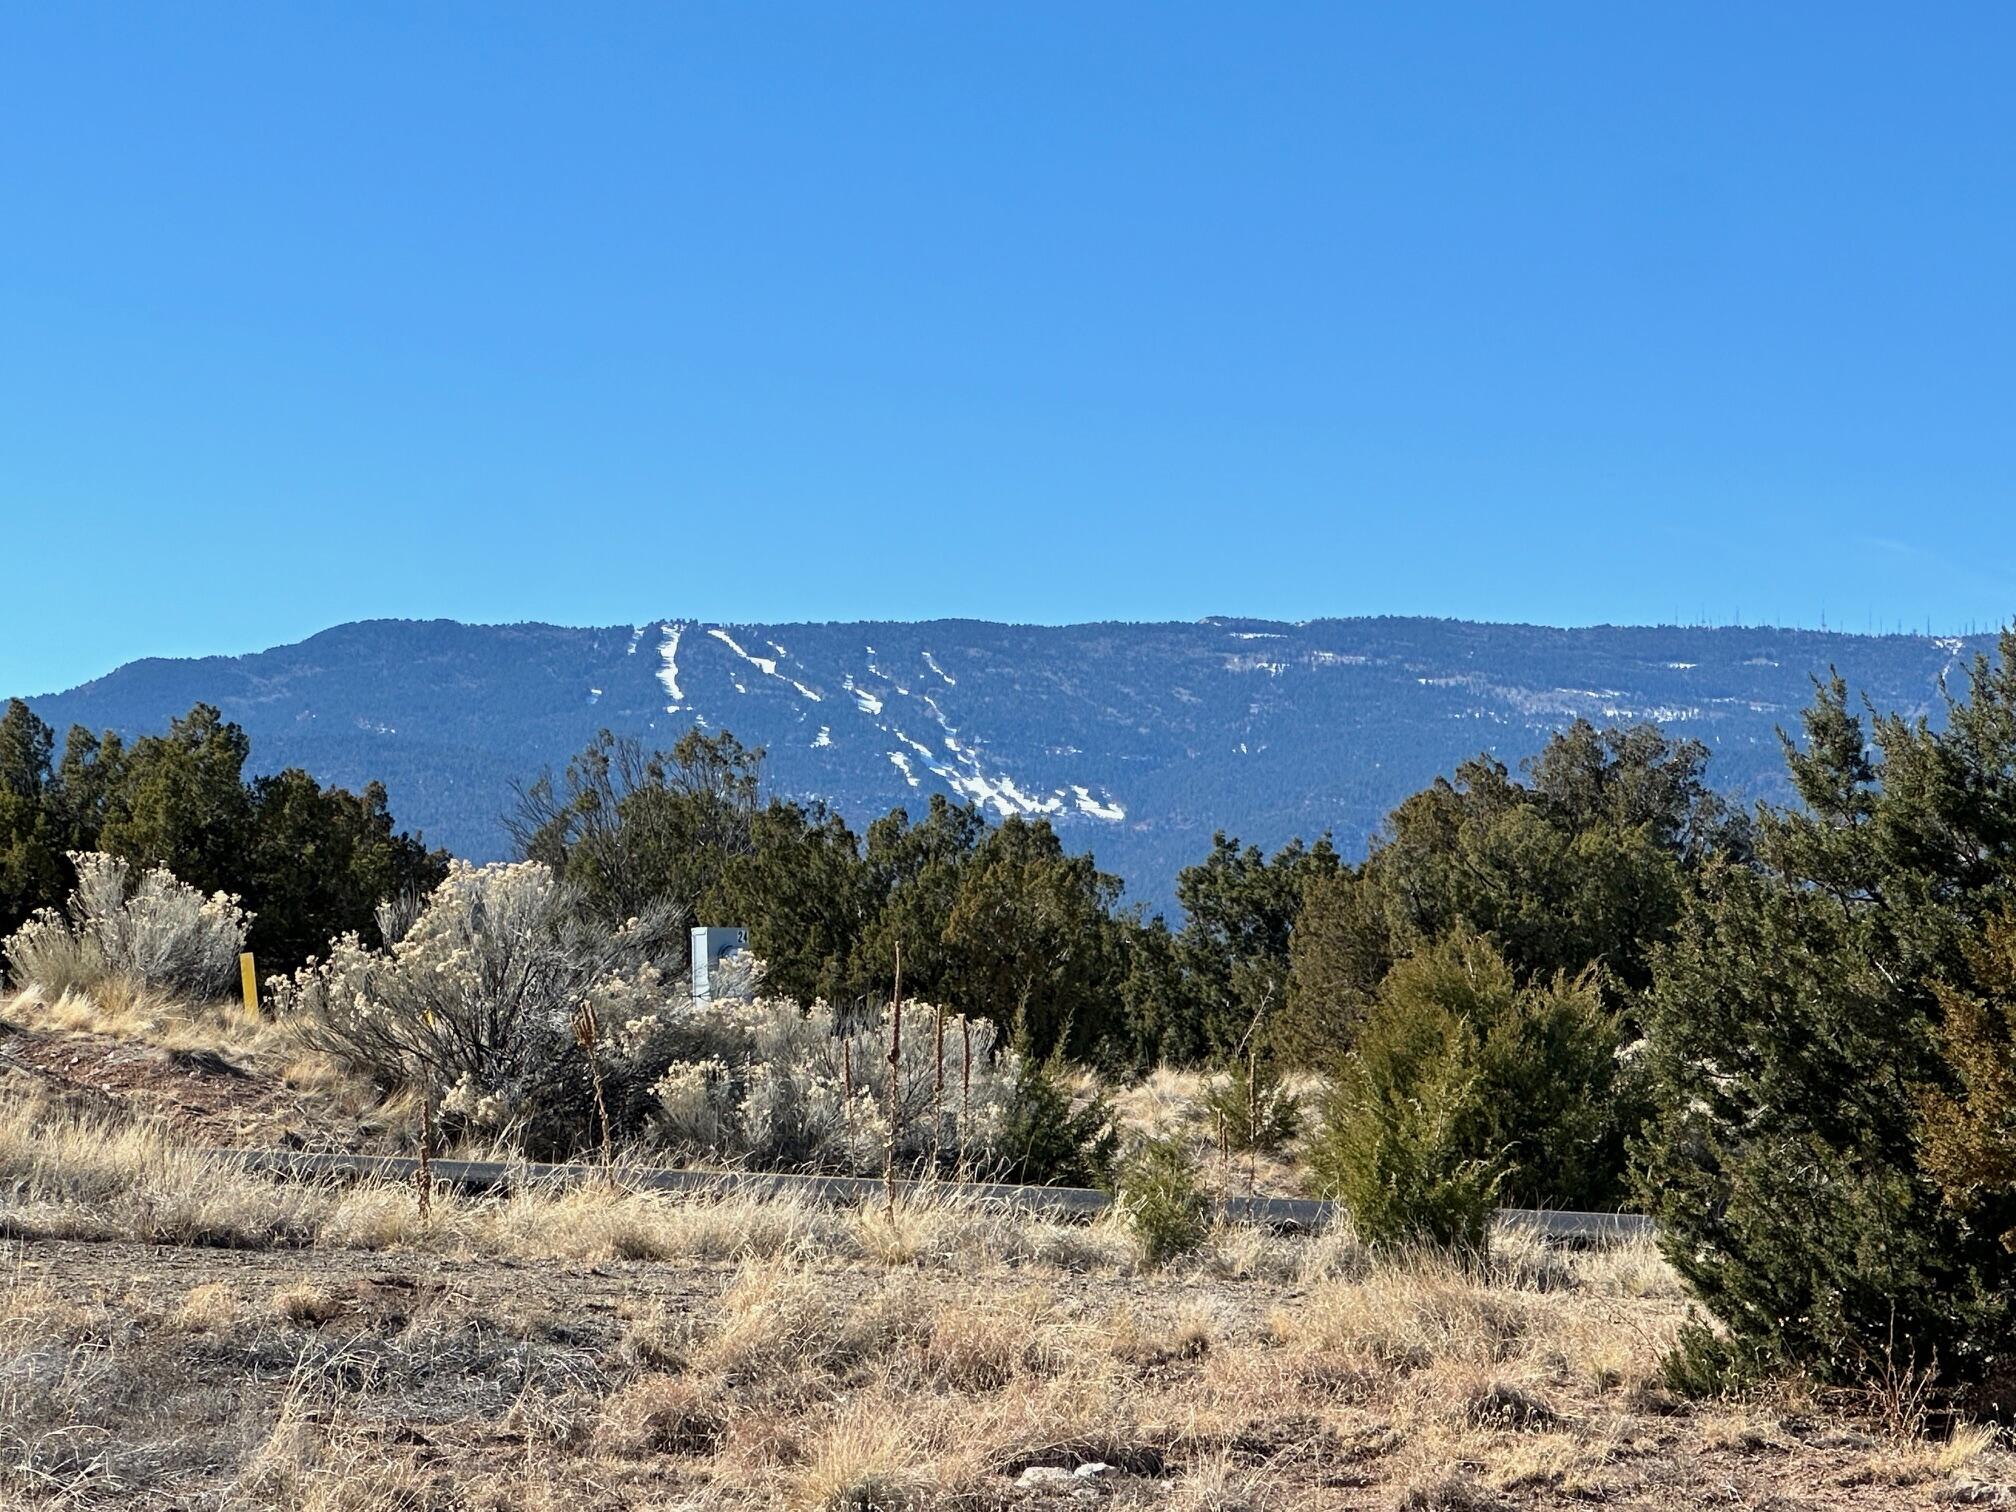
[(481, 997), (151, 932)]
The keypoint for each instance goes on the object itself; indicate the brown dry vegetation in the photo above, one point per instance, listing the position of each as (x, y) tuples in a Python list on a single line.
[(174, 1333), (1169, 1104), (213, 1072)]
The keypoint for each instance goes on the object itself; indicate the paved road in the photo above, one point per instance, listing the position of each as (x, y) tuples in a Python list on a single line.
[(490, 1175)]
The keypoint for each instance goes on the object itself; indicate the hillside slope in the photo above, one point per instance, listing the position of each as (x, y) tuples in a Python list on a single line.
[(1136, 740)]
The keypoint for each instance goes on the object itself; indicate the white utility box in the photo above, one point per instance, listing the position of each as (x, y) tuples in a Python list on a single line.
[(712, 944)]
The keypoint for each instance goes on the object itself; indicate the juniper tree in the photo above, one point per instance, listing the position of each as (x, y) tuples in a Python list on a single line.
[(312, 862), (1239, 907), (1466, 1087), (1795, 1037), (1584, 864), (1969, 1129), (181, 802), (33, 871), (320, 861)]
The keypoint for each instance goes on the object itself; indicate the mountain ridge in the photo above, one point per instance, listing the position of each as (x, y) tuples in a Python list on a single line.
[(1137, 739)]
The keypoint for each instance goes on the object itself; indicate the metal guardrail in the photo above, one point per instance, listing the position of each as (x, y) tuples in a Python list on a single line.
[(1288, 1213)]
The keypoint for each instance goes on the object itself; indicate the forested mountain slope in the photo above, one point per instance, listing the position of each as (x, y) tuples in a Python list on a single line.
[(1136, 740)]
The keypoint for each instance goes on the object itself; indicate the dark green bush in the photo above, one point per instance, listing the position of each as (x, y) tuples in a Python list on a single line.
[(1466, 1090), (1703, 1365), (1400, 1144), (1049, 1139), (1163, 1201)]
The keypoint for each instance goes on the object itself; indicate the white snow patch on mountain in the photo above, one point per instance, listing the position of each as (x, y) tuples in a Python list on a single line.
[(635, 636), (761, 663), (865, 701), (878, 672), (1001, 793), (1087, 804), (968, 779), (594, 695), (1051, 805), (823, 738), (764, 664), (932, 662), (1657, 713), (668, 667), (1682, 666), (902, 764)]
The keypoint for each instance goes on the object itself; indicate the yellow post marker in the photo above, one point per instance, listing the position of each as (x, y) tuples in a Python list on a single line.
[(248, 982)]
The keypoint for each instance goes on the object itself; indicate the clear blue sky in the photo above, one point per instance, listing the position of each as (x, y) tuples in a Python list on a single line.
[(1061, 311)]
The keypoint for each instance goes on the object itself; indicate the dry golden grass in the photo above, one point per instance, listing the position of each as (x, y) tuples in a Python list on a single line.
[(279, 1083), (1169, 1103), (307, 1303), (209, 1308), (867, 1458), (1164, 1104), (122, 1010), (98, 1176), (795, 1380), (1916, 1459), (661, 1414)]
